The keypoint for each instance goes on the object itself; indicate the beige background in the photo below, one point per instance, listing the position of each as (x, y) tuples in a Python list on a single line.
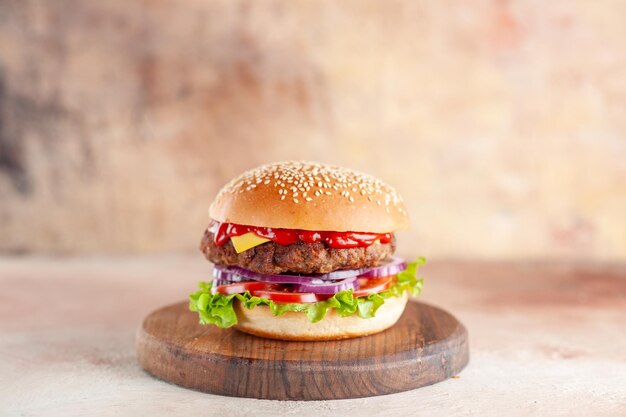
[(503, 124)]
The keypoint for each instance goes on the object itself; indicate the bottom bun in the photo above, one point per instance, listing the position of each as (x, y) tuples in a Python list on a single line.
[(260, 321)]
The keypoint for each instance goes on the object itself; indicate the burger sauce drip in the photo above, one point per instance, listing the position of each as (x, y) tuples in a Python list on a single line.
[(338, 240)]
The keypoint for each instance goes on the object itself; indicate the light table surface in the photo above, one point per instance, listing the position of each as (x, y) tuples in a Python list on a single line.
[(545, 339)]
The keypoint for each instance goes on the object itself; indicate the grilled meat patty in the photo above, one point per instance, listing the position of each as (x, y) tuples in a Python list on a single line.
[(302, 258)]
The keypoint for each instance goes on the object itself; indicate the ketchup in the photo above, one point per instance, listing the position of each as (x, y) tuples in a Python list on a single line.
[(338, 240)]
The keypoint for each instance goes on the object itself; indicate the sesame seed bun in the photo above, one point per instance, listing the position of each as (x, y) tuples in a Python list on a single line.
[(260, 321), (310, 196)]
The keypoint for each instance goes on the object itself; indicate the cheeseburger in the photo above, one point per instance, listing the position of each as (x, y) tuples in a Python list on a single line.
[(305, 251)]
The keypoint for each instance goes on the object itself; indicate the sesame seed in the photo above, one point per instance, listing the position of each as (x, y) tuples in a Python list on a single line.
[(308, 180)]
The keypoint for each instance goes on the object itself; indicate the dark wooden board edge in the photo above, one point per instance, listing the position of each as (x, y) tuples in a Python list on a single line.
[(321, 380)]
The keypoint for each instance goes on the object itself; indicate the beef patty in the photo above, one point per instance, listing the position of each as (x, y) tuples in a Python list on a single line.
[(302, 258)]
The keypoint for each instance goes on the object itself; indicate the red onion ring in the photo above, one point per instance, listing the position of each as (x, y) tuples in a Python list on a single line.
[(315, 286), (236, 274), (394, 266), (327, 287), (227, 276)]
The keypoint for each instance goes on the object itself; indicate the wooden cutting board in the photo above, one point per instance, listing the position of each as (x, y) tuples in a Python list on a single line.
[(427, 345)]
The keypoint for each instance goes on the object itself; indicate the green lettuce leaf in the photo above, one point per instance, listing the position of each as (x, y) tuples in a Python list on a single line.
[(218, 309)]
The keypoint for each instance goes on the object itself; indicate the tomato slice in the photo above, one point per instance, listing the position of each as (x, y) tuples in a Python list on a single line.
[(287, 296), (369, 286), (241, 287)]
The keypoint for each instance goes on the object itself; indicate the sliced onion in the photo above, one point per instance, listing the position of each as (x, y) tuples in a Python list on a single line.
[(221, 274), (328, 287), (316, 286), (391, 267), (233, 273), (237, 274), (339, 274)]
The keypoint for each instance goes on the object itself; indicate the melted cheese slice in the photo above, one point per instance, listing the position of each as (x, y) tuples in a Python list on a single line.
[(247, 241)]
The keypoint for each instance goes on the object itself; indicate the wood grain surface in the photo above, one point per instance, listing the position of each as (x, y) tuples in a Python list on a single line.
[(427, 345)]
